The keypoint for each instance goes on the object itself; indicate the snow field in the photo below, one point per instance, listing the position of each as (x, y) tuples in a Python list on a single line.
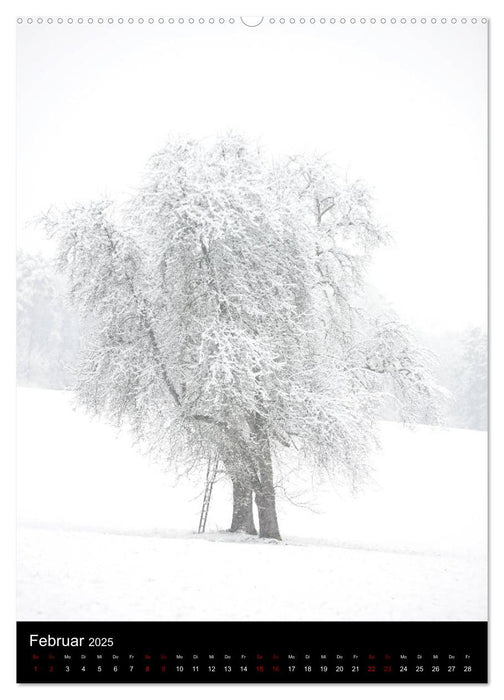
[(103, 534)]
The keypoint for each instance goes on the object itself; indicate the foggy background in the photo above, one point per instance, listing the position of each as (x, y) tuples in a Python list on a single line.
[(404, 109)]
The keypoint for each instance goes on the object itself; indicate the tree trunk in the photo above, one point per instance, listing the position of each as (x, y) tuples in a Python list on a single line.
[(266, 505), (265, 492), (243, 515)]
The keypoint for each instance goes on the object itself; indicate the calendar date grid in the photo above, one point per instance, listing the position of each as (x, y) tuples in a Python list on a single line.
[(148, 663)]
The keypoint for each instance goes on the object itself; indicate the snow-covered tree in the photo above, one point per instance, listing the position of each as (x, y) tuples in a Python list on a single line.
[(462, 368), (47, 334), (472, 397), (230, 320)]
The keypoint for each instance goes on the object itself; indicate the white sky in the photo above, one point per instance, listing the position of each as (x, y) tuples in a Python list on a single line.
[(401, 106)]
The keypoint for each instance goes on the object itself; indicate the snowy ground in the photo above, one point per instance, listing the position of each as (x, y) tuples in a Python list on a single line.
[(105, 535)]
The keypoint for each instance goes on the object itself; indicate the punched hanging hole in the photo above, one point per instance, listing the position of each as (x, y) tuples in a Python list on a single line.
[(252, 21)]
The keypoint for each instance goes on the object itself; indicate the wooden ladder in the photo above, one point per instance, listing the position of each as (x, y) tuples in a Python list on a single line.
[(210, 480)]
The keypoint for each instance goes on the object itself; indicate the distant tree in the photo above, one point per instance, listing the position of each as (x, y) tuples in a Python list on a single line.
[(46, 332), (461, 367), (471, 382), (231, 319)]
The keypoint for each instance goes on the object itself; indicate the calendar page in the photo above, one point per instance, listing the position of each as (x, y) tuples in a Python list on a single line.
[(252, 349)]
